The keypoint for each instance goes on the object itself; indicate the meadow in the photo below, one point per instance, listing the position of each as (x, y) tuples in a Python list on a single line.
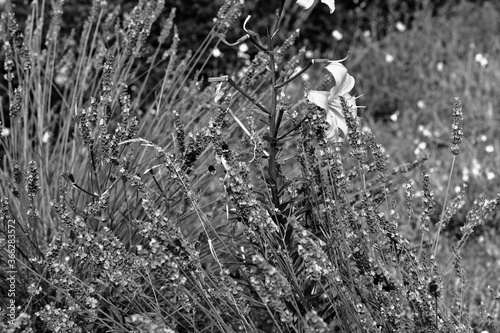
[(314, 167)]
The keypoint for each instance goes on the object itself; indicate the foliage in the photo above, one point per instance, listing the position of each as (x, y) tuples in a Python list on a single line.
[(150, 203)]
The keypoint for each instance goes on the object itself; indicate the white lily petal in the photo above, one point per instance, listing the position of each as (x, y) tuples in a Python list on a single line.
[(343, 81), (305, 3), (331, 4), (335, 109), (332, 133), (320, 98)]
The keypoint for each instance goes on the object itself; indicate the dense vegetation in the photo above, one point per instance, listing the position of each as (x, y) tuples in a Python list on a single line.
[(156, 181)]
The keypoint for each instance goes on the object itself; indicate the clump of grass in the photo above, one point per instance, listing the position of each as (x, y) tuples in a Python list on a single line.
[(223, 209)]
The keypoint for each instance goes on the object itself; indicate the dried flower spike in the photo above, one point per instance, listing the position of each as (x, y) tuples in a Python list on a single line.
[(457, 127)]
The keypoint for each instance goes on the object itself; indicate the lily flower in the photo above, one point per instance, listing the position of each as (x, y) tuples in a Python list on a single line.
[(308, 3), (330, 101)]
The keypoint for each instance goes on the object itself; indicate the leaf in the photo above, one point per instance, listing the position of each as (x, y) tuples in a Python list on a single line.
[(269, 138)]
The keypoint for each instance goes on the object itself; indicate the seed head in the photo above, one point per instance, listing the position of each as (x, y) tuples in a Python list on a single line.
[(32, 179), (457, 127)]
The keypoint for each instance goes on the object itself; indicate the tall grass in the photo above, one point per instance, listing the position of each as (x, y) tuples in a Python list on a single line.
[(171, 205)]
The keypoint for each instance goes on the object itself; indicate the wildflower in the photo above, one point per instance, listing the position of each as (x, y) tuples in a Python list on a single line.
[(394, 116), (337, 34), (421, 104), (167, 27), (381, 158), (243, 48), (410, 194), (15, 104), (440, 66), (389, 58), (46, 136), (425, 131), (216, 53), (108, 71), (227, 15), (314, 323), (308, 3), (330, 101), (420, 147), (428, 200), (481, 60), (16, 170), (9, 61), (400, 26), (457, 128), (179, 132), (32, 179), (4, 132)]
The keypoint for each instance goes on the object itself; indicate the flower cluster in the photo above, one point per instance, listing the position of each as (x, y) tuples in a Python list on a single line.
[(457, 127), (272, 287), (317, 265)]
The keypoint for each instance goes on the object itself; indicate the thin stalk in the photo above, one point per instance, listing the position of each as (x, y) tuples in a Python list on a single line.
[(440, 224), (251, 99)]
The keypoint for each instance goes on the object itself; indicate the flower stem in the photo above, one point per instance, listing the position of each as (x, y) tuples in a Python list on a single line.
[(440, 222), (227, 79)]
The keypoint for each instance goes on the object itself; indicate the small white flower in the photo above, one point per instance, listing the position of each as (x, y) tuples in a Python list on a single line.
[(481, 60), (400, 26), (465, 174), (5, 132), (420, 147), (243, 48), (489, 148), (425, 131), (367, 34), (394, 116), (216, 53), (389, 58), (337, 35), (421, 104), (242, 51), (440, 66), (46, 136), (476, 168), (490, 175), (61, 79)]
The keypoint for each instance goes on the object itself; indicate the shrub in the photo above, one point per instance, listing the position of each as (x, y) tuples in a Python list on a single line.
[(226, 205)]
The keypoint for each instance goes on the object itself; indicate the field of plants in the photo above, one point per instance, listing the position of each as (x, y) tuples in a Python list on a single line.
[(297, 166)]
